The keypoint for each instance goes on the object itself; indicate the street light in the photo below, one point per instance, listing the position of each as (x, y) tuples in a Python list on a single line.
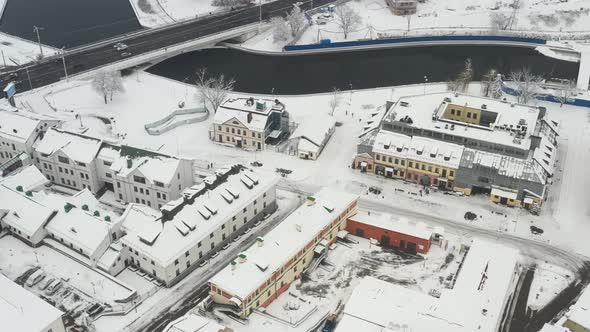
[(425, 82), (36, 30), (260, 16), (63, 59)]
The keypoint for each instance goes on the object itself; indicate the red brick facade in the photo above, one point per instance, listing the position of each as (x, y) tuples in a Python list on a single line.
[(389, 238)]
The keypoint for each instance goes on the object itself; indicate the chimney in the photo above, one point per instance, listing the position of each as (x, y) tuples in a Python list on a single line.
[(129, 163), (249, 117), (242, 258), (298, 227), (260, 241)]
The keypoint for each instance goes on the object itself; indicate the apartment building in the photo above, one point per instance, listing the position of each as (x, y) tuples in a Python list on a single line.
[(265, 270), (143, 176), (69, 159), (18, 132), (170, 243), (250, 123)]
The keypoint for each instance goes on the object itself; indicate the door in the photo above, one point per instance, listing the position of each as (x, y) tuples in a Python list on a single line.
[(259, 147), (360, 232), (444, 173), (385, 240), (504, 200), (239, 143), (411, 248), (402, 244)]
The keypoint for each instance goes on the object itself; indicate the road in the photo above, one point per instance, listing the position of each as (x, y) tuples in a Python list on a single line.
[(51, 69)]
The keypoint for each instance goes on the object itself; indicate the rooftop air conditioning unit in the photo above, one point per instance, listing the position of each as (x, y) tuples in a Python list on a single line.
[(484, 107)]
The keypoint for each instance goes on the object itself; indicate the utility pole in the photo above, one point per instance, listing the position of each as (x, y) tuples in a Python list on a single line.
[(260, 11), (29, 77), (36, 30), (63, 59)]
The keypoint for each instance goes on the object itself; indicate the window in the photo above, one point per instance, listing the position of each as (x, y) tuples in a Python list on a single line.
[(149, 203), (61, 169), (81, 164), (177, 272), (153, 262), (163, 196), (410, 164), (264, 195), (244, 210), (109, 175), (452, 111), (244, 220), (176, 262), (141, 190), (118, 184), (469, 115), (451, 173), (159, 184), (134, 188), (158, 195), (186, 254), (474, 116), (147, 192), (143, 201), (68, 181), (120, 196), (107, 163), (63, 160), (211, 235), (199, 245), (81, 175), (233, 130), (223, 226), (139, 179), (136, 200), (44, 164), (188, 264), (218, 127), (458, 113), (377, 157), (89, 188)]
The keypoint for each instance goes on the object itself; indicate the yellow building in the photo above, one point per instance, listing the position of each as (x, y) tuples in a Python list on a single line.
[(265, 270)]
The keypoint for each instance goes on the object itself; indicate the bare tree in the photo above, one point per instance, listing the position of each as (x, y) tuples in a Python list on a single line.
[(487, 82), (335, 100), (347, 19), (496, 89), (213, 90), (528, 85), (230, 3), (461, 83), (499, 21), (280, 30), (296, 20), (107, 83), (567, 92)]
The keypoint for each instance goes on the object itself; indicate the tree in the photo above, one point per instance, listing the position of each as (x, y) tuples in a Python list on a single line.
[(335, 100), (230, 3), (528, 85), (213, 90), (280, 30), (461, 83), (499, 21), (496, 92), (347, 19), (487, 82), (107, 83), (296, 20), (567, 92)]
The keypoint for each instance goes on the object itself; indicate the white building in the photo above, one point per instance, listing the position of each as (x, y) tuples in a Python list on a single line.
[(312, 135), (249, 123), (29, 179), (578, 317), (69, 159), (265, 270), (143, 176), (192, 322), (21, 310), (170, 244), (18, 132), (23, 216), (477, 301)]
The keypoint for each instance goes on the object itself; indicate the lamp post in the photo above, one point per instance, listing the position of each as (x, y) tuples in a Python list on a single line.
[(425, 82), (63, 59), (36, 30)]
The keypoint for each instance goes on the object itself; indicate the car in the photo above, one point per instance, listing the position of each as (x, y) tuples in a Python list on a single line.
[(227, 245), (125, 54), (203, 263), (536, 230), (375, 190), (53, 288), (321, 21), (120, 46), (47, 282), (35, 278), (215, 254), (237, 238), (256, 164)]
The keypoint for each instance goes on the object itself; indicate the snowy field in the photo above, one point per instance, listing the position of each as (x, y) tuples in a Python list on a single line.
[(446, 16), (549, 280), (17, 51), (150, 98)]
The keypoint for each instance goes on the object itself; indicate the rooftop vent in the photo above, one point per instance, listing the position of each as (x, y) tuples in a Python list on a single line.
[(260, 241), (19, 188), (447, 99), (484, 107), (129, 163), (242, 258), (298, 227), (404, 103)]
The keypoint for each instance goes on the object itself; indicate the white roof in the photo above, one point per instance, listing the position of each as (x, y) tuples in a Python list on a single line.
[(77, 147), (305, 145), (282, 243), (153, 166), (21, 310), (580, 311), (108, 258), (397, 224), (391, 144), (24, 213), (545, 155), (435, 152), (420, 109), (257, 123), (524, 169), (390, 306), (30, 178), (169, 242), (17, 127), (497, 191), (193, 323), (315, 129)]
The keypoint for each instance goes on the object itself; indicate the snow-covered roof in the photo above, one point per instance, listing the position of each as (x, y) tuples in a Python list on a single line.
[(282, 243), (30, 178), (435, 152), (545, 155), (395, 224), (260, 106), (24, 212), (497, 191), (257, 121), (426, 111), (580, 311), (240, 109), (315, 129), (194, 323), (484, 282), (154, 166), (391, 144), (108, 258), (22, 310), (524, 169), (194, 221), (77, 147), (17, 127)]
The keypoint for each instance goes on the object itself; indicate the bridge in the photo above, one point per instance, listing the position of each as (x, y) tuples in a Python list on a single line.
[(151, 44)]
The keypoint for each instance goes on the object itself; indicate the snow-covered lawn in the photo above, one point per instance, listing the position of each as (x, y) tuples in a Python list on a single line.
[(549, 280), (16, 258), (445, 17), (17, 51)]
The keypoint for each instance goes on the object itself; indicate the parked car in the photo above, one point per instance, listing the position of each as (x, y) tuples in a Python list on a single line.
[(125, 54), (256, 164), (120, 46), (35, 278), (53, 287), (536, 230), (47, 282), (203, 263), (375, 190)]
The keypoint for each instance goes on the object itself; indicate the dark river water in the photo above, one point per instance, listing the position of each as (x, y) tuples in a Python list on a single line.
[(363, 69), (68, 22)]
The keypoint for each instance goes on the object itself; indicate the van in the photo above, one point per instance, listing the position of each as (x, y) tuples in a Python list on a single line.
[(54, 287), (35, 278), (47, 282)]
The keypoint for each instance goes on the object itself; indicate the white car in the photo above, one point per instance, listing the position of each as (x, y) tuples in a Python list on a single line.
[(47, 282), (120, 46), (35, 278), (54, 287)]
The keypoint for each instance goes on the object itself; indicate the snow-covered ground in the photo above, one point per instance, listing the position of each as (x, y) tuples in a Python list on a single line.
[(548, 281), (149, 98), (446, 17), (17, 51)]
